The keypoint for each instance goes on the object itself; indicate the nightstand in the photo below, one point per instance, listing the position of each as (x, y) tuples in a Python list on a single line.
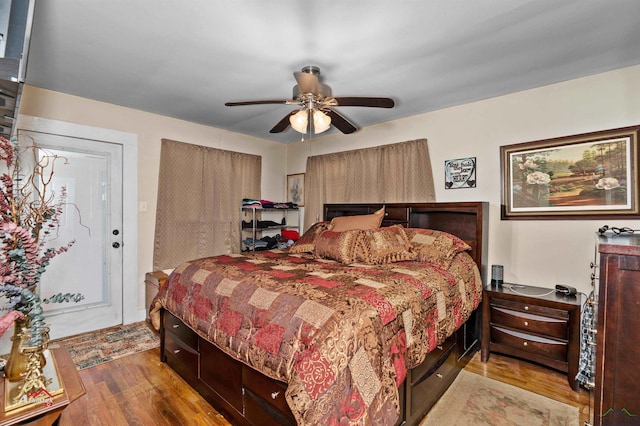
[(533, 323)]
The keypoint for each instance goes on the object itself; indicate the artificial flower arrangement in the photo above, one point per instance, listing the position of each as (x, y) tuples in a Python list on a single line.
[(29, 217)]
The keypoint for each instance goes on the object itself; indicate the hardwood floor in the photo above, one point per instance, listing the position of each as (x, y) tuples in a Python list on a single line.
[(140, 390)]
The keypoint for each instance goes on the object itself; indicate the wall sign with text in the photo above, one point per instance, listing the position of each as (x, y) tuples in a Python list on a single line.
[(460, 173)]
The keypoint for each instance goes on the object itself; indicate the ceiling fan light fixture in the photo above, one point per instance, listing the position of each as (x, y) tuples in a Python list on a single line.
[(321, 122), (299, 121)]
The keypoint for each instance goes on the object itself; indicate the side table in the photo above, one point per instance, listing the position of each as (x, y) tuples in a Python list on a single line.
[(41, 414), (153, 281), (533, 323)]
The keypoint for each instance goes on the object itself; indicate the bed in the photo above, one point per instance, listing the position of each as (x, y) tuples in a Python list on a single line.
[(278, 337)]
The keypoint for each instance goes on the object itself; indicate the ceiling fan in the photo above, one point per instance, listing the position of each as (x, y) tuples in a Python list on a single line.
[(316, 113)]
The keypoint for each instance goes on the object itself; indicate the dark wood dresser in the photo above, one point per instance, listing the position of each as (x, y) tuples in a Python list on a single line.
[(617, 376)]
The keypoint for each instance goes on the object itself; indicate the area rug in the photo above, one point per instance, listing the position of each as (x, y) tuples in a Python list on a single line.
[(479, 401), (97, 347)]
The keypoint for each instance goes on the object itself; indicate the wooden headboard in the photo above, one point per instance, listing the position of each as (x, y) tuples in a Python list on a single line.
[(467, 220)]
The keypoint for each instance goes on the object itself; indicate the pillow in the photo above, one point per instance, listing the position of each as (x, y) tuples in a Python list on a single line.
[(307, 242), (433, 246), (363, 221), (386, 245), (340, 246)]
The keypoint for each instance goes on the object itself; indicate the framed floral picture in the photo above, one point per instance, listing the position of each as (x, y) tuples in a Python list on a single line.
[(295, 189), (586, 176)]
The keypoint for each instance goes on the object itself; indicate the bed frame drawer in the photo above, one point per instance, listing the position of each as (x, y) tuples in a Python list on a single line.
[(176, 327), (433, 357), (176, 350), (530, 323), (426, 393), (264, 399)]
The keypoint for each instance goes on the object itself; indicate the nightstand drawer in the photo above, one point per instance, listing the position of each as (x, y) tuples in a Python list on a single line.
[(531, 308), (531, 344), (530, 323)]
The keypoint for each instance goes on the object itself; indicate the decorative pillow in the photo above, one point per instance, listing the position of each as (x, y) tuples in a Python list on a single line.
[(433, 246), (307, 242), (340, 246), (386, 245), (363, 221)]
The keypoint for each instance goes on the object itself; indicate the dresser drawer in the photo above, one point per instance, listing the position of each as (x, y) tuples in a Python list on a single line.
[(175, 348), (529, 322), (531, 344), (174, 326)]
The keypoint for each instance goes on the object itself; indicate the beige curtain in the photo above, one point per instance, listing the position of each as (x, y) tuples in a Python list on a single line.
[(200, 192), (398, 173)]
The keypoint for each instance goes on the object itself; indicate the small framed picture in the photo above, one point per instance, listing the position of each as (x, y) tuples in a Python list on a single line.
[(460, 173), (295, 189)]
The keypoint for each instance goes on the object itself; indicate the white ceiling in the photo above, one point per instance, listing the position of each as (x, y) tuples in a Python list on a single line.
[(186, 58)]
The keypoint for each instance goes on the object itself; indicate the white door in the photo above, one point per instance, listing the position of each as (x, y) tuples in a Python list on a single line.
[(91, 171)]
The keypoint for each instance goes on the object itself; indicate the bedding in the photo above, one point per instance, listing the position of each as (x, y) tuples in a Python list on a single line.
[(342, 336)]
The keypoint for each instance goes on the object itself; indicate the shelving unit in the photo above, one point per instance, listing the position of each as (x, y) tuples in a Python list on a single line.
[(291, 218)]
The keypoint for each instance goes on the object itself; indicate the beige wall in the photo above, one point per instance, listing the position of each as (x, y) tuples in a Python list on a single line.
[(150, 129), (541, 253), (532, 252)]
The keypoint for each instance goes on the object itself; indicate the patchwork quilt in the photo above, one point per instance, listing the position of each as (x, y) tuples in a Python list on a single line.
[(341, 336)]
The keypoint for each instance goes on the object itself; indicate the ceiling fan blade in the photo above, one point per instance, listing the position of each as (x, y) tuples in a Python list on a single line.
[(307, 83), (340, 122), (268, 101), (283, 124), (364, 102)]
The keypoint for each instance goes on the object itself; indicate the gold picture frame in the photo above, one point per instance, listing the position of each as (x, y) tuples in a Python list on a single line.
[(586, 176)]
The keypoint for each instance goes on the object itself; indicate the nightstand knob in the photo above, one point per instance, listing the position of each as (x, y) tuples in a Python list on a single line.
[(526, 308), (177, 351), (176, 325), (526, 344), (526, 323)]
